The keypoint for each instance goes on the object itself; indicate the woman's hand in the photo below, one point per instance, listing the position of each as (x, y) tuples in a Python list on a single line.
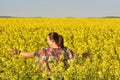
[(14, 51)]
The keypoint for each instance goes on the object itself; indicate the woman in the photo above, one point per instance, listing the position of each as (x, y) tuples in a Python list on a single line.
[(54, 53)]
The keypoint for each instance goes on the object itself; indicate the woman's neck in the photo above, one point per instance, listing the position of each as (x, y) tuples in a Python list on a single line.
[(54, 46)]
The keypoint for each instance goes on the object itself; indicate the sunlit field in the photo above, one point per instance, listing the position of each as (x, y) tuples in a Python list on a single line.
[(98, 36)]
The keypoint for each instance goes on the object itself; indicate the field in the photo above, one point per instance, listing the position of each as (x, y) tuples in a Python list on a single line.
[(99, 36)]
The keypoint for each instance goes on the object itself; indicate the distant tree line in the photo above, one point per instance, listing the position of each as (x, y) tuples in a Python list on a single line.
[(66, 17)]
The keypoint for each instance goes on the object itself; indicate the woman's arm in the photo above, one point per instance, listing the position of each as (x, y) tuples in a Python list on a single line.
[(25, 54)]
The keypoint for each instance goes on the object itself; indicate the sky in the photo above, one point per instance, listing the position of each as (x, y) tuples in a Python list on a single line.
[(59, 8)]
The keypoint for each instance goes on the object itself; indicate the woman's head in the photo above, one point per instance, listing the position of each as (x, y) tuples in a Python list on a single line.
[(54, 37)]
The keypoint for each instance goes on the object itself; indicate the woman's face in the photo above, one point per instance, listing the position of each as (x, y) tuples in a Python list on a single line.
[(50, 42)]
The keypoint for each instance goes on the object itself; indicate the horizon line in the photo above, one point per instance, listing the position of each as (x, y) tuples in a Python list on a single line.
[(58, 17)]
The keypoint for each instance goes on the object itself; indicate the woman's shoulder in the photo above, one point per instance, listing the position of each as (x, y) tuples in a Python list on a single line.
[(67, 49)]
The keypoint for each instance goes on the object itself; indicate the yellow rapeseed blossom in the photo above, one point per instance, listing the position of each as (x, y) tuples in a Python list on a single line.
[(99, 36)]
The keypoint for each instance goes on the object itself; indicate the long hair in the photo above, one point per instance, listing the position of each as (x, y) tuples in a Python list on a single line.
[(57, 38)]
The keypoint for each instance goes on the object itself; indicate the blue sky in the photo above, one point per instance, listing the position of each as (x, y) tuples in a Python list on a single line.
[(59, 8)]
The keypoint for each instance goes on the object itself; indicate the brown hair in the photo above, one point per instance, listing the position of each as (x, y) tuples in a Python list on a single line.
[(57, 38)]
